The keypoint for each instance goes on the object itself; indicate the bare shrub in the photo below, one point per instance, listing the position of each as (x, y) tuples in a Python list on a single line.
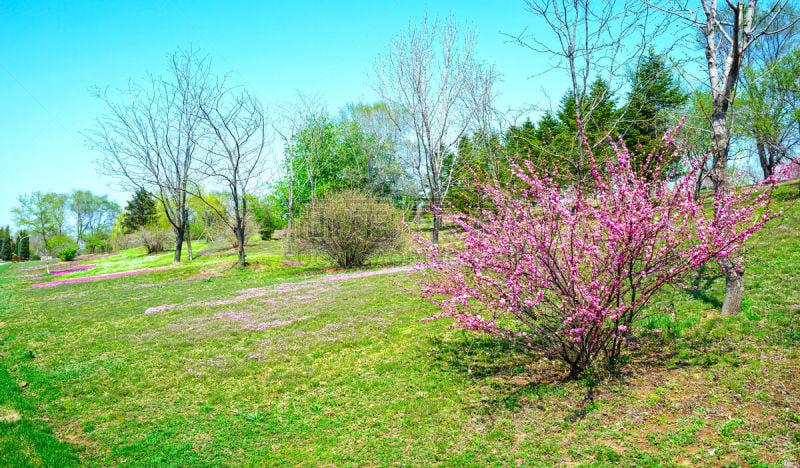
[(221, 229), (348, 227), (152, 239), (124, 241)]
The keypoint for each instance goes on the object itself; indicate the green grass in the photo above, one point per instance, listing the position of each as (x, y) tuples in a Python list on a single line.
[(316, 372)]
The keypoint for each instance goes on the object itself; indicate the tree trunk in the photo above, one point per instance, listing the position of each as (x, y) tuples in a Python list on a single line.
[(239, 232), (734, 269), (437, 226), (734, 288), (291, 212), (179, 232), (762, 159), (188, 242), (719, 170), (698, 185)]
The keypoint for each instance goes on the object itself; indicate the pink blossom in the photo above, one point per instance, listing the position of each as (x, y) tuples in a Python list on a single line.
[(93, 278), (574, 263), (73, 269)]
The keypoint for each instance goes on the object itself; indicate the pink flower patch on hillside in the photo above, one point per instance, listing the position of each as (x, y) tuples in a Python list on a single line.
[(96, 257), (73, 269), (92, 278), (34, 268), (317, 285), (202, 276)]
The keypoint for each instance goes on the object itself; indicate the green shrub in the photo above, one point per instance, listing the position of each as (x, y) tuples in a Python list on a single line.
[(348, 227), (68, 254), (269, 224), (56, 245), (266, 214), (98, 243)]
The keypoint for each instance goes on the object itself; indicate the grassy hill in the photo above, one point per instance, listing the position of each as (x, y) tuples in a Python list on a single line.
[(282, 363)]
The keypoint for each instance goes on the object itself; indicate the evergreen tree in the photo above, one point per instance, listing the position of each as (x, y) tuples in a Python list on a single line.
[(5, 241), (655, 91), (521, 139), (140, 211), (24, 247)]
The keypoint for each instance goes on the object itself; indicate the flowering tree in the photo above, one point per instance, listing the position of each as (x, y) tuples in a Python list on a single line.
[(567, 269)]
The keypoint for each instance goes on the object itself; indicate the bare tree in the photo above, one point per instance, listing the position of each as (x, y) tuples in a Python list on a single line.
[(292, 118), (728, 33), (430, 79), (149, 137), (769, 81), (589, 41), (235, 141)]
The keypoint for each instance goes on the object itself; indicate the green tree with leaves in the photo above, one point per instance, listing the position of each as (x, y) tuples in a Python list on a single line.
[(42, 213), (94, 215), (770, 107)]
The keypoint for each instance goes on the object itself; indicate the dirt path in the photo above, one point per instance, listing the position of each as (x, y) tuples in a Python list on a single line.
[(281, 288)]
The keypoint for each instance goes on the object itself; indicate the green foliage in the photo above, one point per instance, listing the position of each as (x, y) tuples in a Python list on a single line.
[(266, 214), (327, 155), (60, 244), (771, 106), (6, 248), (555, 141), (42, 213), (98, 243), (94, 215), (24, 244), (348, 227), (482, 156), (68, 254), (204, 214), (141, 211)]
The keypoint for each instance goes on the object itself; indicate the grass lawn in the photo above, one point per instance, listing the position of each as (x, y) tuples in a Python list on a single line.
[(209, 364)]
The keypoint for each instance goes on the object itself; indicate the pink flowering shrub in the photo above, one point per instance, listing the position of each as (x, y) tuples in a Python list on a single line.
[(567, 268), (789, 169)]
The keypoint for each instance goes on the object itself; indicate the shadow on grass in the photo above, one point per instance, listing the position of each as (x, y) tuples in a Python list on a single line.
[(513, 378), (700, 287)]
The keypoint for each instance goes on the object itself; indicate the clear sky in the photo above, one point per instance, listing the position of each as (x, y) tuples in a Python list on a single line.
[(52, 52)]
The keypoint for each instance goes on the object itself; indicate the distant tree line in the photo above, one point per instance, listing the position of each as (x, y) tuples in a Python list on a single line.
[(53, 220)]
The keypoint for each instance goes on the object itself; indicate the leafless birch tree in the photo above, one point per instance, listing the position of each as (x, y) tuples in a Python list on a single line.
[(728, 31), (430, 79)]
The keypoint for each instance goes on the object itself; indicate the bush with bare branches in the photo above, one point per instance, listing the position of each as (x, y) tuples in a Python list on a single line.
[(152, 239), (348, 227)]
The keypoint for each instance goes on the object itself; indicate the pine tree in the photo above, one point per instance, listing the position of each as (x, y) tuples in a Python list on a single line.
[(24, 244), (654, 92), (5, 240), (140, 211)]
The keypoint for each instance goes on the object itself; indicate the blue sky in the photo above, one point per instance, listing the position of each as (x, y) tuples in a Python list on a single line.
[(53, 52)]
